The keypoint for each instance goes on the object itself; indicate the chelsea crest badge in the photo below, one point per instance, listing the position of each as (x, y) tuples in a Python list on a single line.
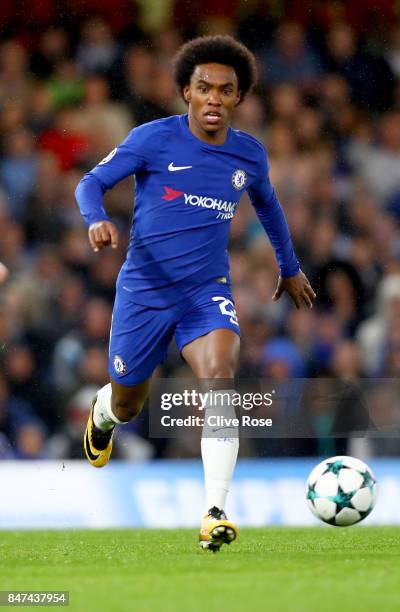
[(120, 366), (239, 179)]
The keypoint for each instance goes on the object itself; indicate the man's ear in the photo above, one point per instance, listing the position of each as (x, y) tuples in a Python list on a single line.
[(238, 98), (186, 93)]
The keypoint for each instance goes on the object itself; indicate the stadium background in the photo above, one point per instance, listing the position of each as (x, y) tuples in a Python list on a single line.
[(75, 77)]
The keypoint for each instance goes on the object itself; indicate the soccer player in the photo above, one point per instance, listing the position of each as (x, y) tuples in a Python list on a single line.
[(190, 172)]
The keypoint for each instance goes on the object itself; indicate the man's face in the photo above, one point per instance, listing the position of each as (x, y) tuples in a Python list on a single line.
[(212, 95)]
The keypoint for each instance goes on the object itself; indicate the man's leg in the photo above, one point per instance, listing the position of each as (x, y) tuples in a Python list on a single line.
[(214, 356), (118, 404), (114, 404), (139, 341)]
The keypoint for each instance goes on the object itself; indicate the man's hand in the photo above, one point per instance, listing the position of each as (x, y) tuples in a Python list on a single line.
[(299, 289), (3, 273), (102, 234)]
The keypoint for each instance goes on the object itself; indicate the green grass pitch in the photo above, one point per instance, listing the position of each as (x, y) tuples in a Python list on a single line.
[(277, 570)]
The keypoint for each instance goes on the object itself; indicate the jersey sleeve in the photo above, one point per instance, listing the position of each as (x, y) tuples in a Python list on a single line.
[(126, 159), (272, 218)]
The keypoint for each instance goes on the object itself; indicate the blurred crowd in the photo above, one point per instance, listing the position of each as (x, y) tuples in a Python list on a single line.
[(75, 78)]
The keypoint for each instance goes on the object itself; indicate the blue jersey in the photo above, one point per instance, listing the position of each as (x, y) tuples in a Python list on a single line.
[(187, 192)]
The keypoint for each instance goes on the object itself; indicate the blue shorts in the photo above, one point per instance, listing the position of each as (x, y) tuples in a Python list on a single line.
[(140, 335)]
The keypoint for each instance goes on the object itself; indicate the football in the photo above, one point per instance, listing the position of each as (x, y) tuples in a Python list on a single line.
[(341, 491)]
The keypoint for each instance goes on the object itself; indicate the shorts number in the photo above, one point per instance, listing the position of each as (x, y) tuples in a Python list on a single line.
[(223, 306)]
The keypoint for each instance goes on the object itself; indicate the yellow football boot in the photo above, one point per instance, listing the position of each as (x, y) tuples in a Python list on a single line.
[(97, 443), (216, 530)]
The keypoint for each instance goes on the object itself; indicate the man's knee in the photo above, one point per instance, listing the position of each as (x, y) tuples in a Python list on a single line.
[(217, 368), (126, 409), (127, 402)]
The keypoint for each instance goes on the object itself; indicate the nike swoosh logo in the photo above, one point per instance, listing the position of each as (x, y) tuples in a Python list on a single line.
[(173, 168), (92, 456)]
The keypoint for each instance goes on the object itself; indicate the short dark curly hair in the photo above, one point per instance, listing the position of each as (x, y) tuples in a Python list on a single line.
[(219, 49)]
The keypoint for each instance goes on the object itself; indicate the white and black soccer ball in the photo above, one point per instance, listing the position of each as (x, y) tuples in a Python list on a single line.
[(341, 491)]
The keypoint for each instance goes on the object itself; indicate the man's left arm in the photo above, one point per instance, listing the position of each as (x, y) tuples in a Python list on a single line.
[(270, 213)]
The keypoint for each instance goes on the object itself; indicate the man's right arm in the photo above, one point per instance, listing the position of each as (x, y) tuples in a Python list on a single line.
[(126, 159)]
